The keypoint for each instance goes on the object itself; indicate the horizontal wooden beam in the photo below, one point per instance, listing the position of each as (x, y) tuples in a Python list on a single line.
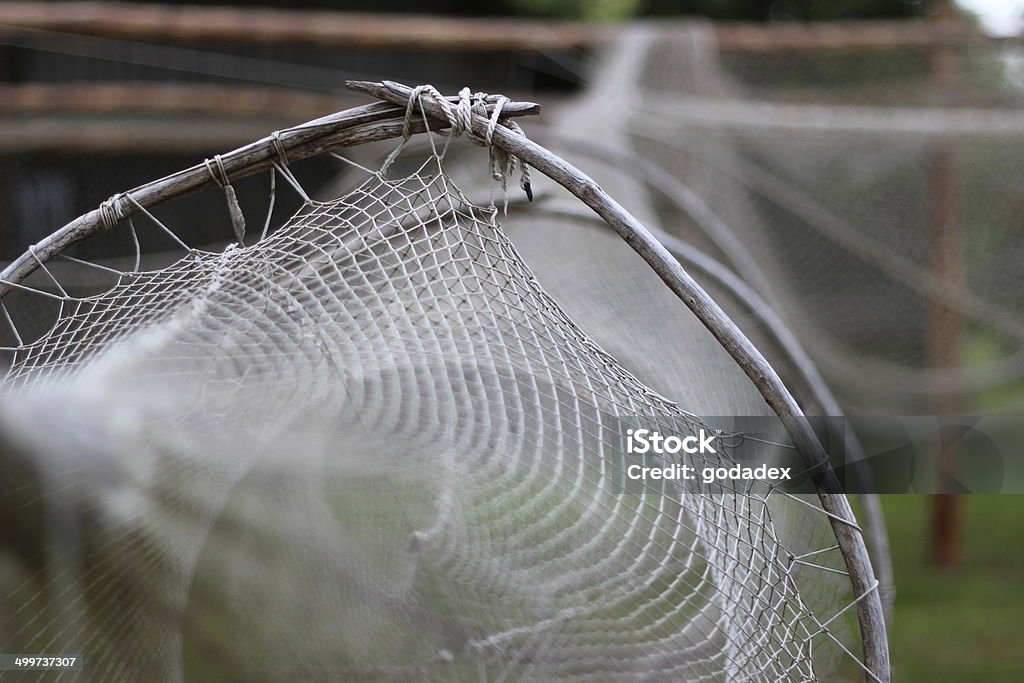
[(846, 36), (115, 134), (185, 23), (149, 117), (184, 98)]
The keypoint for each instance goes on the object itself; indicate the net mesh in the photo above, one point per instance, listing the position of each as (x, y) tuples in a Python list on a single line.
[(370, 445), (871, 196)]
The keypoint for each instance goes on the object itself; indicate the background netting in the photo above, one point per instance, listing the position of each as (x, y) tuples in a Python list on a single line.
[(371, 445), (871, 196)]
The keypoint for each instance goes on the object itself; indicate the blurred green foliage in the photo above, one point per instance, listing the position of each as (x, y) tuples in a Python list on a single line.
[(601, 10), (963, 624)]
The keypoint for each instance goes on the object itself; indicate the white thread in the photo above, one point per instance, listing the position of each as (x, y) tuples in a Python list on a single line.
[(292, 180), (282, 153), (32, 250), (492, 124), (111, 211), (159, 224)]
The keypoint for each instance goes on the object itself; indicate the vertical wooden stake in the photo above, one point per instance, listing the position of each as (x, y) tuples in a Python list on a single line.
[(946, 323)]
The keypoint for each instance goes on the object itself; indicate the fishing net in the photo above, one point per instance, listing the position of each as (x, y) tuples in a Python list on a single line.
[(870, 196), (370, 445)]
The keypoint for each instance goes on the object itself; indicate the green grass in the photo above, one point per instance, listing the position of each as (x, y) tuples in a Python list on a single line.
[(967, 623)]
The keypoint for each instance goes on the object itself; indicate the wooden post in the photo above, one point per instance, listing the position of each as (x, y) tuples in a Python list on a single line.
[(946, 322)]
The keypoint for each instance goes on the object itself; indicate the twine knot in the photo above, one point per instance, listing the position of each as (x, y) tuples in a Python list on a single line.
[(112, 211), (460, 120)]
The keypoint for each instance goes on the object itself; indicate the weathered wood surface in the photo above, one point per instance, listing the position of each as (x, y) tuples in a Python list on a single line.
[(200, 23)]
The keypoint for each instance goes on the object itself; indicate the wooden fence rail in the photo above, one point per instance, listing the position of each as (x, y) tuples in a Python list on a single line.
[(167, 23)]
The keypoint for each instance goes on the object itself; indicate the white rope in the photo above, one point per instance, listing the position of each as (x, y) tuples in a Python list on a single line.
[(10, 321), (32, 250), (460, 121), (270, 207), (292, 180), (111, 211), (136, 245), (159, 223)]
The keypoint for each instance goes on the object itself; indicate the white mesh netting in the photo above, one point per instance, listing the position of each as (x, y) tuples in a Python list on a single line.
[(371, 446), (872, 196)]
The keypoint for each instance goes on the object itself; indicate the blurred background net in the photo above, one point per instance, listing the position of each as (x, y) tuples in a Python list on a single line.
[(865, 173), (872, 197)]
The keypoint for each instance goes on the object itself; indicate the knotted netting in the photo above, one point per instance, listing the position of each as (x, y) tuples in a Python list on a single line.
[(870, 195), (371, 445)]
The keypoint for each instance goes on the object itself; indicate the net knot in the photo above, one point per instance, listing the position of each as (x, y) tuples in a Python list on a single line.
[(459, 115), (460, 120), (282, 153), (112, 211), (222, 179)]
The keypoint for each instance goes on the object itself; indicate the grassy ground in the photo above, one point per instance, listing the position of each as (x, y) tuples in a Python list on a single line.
[(965, 624)]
